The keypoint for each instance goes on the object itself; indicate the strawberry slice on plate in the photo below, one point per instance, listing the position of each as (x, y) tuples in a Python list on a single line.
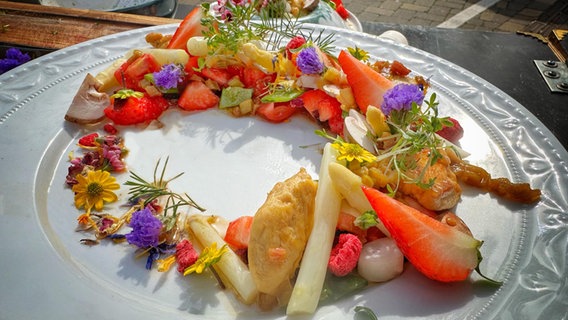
[(197, 96), (435, 249), (324, 107), (368, 85)]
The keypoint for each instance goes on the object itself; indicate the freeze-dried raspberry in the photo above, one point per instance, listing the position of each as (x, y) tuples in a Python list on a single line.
[(345, 254), (185, 255)]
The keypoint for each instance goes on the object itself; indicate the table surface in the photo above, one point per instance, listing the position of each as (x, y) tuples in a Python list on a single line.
[(503, 59)]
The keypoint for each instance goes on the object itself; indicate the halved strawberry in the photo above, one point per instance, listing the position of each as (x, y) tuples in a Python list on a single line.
[(197, 96), (133, 110), (437, 250), (368, 85), (189, 27), (324, 107)]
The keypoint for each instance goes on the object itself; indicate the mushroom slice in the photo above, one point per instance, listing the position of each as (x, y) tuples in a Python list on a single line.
[(88, 104)]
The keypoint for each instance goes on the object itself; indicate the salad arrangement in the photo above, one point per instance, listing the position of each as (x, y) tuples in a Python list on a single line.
[(387, 180)]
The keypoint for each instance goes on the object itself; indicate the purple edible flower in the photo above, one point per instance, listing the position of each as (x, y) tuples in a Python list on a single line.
[(168, 77), (145, 229), (401, 97), (309, 62), (14, 58)]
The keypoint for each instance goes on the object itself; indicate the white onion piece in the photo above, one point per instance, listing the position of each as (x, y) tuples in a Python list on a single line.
[(357, 132), (380, 260)]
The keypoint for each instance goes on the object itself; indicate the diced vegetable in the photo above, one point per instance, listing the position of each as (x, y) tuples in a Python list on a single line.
[(313, 268), (231, 269), (233, 96)]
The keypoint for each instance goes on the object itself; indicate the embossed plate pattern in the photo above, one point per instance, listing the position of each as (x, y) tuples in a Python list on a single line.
[(230, 164)]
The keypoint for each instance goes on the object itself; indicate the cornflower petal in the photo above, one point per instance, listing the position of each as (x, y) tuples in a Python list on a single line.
[(401, 97), (146, 229), (309, 62)]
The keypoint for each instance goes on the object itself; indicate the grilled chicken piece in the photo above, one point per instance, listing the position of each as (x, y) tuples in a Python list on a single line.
[(279, 233), (444, 193)]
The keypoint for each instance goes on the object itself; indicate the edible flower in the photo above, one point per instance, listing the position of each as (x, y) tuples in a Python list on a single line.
[(208, 257), (94, 189), (146, 229), (352, 151), (168, 77), (14, 57), (359, 53), (309, 62), (401, 97)]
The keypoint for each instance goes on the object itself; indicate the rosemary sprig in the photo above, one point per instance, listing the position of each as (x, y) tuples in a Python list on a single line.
[(142, 190)]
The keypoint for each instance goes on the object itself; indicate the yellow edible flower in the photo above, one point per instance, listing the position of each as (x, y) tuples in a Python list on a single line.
[(352, 151), (208, 257), (94, 189)]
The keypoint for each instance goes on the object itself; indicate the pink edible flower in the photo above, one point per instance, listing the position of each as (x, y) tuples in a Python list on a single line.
[(345, 254)]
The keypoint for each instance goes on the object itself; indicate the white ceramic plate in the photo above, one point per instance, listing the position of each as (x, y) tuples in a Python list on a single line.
[(230, 165)]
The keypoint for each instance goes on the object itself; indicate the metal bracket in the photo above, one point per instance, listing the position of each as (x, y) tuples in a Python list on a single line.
[(555, 74)]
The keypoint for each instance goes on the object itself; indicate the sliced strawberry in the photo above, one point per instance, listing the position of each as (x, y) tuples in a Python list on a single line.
[(197, 96), (191, 65), (452, 133), (398, 69), (276, 112), (136, 110), (324, 107), (256, 79), (221, 76), (368, 85), (88, 140), (238, 232), (340, 9), (189, 27), (133, 71), (437, 250)]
